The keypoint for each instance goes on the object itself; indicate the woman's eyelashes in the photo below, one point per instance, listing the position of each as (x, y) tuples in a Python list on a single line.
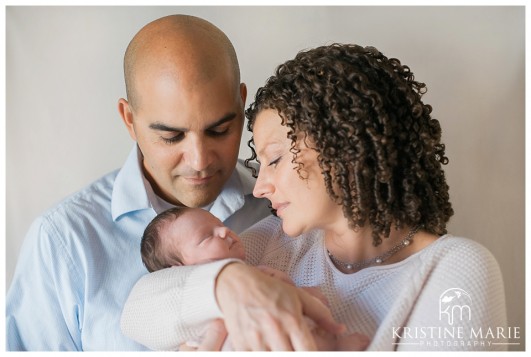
[(275, 162)]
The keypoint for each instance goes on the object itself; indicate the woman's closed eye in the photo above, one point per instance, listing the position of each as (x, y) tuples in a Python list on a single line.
[(275, 162)]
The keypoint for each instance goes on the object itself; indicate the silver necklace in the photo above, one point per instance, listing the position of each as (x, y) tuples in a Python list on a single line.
[(377, 260)]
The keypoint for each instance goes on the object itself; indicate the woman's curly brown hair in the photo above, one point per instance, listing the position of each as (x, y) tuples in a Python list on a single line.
[(379, 149)]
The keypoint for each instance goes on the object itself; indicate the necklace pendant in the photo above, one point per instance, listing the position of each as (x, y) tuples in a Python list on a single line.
[(377, 260)]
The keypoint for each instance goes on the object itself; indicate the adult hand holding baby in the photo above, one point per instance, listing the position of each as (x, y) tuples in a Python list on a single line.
[(273, 317)]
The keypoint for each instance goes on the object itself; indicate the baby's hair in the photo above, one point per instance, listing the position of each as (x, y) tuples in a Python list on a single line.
[(153, 255)]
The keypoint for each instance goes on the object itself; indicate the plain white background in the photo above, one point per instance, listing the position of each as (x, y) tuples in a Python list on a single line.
[(64, 78)]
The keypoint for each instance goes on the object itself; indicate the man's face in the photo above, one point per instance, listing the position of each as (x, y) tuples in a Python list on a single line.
[(189, 135)]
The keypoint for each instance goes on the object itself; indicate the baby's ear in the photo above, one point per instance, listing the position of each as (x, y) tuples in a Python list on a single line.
[(177, 264)]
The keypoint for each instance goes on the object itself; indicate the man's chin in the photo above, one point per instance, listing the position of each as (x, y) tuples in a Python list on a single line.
[(199, 201)]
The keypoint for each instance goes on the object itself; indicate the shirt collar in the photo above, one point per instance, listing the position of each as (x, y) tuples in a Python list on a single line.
[(232, 197), (129, 193), (247, 180)]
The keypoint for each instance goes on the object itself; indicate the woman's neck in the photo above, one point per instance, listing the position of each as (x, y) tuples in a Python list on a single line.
[(354, 246)]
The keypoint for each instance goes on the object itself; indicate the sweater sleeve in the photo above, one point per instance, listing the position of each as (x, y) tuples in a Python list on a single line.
[(171, 306), (460, 302), (257, 239)]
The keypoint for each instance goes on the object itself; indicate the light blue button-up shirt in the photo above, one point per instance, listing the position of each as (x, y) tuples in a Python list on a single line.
[(80, 260)]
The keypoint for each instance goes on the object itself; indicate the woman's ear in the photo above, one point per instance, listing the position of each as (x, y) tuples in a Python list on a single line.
[(127, 116)]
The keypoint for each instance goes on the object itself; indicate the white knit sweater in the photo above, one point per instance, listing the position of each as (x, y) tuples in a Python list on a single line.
[(449, 296)]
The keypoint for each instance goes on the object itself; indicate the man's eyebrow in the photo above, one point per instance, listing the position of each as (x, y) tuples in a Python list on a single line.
[(223, 120), (163, 127)]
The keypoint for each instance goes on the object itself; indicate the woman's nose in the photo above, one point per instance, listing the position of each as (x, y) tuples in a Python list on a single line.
[(263, 188)]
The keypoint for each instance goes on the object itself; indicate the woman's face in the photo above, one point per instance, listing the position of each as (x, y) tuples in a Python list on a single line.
[(302, 203)]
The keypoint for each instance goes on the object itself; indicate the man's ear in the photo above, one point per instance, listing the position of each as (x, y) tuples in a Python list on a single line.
[(127, 116), (243, 93)]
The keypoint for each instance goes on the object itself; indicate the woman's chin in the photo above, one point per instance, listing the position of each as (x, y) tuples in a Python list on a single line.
[(292, 230)]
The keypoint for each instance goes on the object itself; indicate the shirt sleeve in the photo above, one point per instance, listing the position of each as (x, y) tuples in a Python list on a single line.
[(462, 298), (171, 306), (40, 313)]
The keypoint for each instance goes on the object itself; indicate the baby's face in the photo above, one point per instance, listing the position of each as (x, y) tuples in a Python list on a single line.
[(203, 238)]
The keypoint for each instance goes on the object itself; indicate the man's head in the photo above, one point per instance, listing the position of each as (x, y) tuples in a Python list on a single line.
[(184, 107), (186, 236)]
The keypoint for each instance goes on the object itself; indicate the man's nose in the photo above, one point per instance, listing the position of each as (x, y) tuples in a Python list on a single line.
[(198, 154)]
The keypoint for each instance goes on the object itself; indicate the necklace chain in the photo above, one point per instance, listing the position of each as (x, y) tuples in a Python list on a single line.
[(377, 260)]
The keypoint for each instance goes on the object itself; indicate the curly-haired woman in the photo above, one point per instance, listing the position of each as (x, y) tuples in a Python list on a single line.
[(351, 161)]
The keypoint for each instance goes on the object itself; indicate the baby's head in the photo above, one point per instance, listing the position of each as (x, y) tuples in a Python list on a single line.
[(187, 236)]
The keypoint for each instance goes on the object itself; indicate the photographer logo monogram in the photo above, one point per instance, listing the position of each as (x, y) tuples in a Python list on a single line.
[(456, 328), (455, 304)]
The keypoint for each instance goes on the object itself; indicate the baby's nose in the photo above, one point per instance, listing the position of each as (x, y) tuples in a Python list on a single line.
[(229, 240), (222, 232)]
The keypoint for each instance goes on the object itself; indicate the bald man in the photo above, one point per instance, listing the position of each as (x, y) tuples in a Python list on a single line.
[(184, 110)]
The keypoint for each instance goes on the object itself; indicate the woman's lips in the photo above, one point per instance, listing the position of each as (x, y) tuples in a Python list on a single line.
[(279, 208)]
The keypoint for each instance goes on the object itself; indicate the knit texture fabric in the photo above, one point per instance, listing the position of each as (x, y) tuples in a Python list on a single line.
[(448, 296)]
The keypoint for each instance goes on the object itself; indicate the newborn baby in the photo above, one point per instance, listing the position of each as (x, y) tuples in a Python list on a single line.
[(188, 236)]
